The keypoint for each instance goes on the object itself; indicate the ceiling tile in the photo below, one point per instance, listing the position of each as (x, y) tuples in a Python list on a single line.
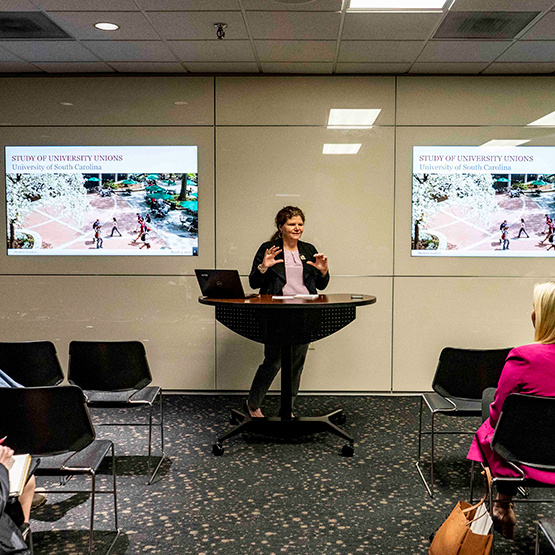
[(529, 51), (6, 56), (543, 29), (212, 50), (75, 67), (198, 25), (453, 68), (277, 6), (49, 51), (297, 67), (379, 51), (131, 51), (292, 25), (17, 6), (296, 51), (185, 5), (88, 5), (17, 67), (81, 25), (377, 68), (462, 51), (148, 67), (511, 68), (501, 5), (216, 67), (389, 26)]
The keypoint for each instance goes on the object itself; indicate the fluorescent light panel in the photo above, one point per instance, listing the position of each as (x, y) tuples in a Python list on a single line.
[(504, 143), (396, 5), (546, 120), (352, 118), (342, 148)]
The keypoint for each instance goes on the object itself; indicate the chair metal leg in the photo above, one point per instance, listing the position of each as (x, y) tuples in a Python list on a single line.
[(537, 543), (432, 455), (162, 454), (472, 483), (91, 530), (150, 437), (114, 486), (420, 428), (418, 467)]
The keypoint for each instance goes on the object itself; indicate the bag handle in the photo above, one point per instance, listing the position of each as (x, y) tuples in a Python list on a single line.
[(487, 475)]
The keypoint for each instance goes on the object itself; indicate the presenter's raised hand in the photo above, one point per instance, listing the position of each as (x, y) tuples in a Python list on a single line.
[(320, 263), (270, 258)]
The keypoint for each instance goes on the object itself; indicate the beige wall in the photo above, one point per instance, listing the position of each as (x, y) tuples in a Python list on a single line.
[(260, 147)]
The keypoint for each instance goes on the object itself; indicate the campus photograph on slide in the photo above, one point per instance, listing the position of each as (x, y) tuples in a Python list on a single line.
[(483, 201), (102, 200)]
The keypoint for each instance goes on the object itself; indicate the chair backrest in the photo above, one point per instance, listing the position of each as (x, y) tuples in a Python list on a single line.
[(31, 363), (525, 432), (108, 365), (45, 420), (465, 373)]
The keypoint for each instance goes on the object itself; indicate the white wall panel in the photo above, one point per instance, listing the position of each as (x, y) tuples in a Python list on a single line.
[(300, 100), (121, 100), (347, 199), (163, 312), (435, 312)]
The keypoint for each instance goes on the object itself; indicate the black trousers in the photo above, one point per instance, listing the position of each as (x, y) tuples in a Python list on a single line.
[(269, 368)]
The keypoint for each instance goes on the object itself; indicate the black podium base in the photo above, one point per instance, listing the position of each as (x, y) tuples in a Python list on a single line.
[(287, 428)]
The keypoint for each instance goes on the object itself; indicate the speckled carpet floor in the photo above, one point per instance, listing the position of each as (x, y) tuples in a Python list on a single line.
[(268, 497)]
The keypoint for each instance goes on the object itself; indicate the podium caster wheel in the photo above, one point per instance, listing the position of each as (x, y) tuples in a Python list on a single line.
[(348, 450), (217, 449)]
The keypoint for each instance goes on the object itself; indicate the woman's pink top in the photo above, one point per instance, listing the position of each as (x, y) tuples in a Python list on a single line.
[(530, 370), (294, 274)]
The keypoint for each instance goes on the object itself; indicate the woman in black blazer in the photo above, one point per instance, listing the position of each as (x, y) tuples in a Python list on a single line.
[(284, 266)]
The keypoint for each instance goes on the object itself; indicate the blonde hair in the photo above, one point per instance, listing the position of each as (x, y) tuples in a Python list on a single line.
[(544, 308)]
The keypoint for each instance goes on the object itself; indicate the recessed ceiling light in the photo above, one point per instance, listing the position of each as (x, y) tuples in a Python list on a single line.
[(504, 143), (341, 148), (107, 26), (180, 103), (393, 5), (352, 118), (549, 119), (66, 103)]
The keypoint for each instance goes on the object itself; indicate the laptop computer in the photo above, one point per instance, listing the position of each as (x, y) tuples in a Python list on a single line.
[(220, 284)]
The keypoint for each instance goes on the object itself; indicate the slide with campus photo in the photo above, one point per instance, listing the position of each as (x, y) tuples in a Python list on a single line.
[(485, 201), (102, 200)]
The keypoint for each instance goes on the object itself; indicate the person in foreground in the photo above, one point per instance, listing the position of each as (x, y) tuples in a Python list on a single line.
[(13, 514), (285, 265), (529, 370)]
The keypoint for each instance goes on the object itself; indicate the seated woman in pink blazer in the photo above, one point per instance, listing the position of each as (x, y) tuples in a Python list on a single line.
[(530, 370)]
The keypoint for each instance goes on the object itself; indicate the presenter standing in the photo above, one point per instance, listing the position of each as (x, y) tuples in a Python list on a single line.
[(284, 266)]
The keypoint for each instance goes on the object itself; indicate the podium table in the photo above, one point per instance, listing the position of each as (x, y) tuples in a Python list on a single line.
[(287, 322)]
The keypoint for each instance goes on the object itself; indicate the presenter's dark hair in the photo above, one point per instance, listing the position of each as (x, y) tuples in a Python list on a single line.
[(286, 213)]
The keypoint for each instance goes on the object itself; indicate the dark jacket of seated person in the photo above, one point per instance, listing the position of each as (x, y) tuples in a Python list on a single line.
[(11, 540), (273, 280)]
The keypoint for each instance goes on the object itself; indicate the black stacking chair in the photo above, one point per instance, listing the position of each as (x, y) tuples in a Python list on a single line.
[(461, 377), (545, 528), (525, 435), (53, 423), (117, 374), (31, 363)]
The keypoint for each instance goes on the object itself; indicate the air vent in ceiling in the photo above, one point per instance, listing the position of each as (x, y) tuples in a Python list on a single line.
[(29, 25), (483, 25)]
